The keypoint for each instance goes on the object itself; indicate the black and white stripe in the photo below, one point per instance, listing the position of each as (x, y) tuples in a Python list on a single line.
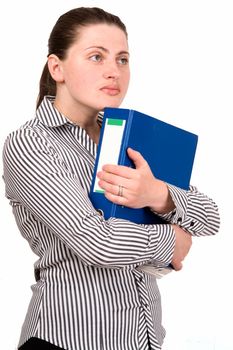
[(90, 295)]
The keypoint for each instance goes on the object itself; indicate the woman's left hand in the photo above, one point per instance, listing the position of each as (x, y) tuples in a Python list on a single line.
[(135, 188)]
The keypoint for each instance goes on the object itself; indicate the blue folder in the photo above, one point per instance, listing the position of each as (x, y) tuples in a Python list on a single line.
[(169, 150)]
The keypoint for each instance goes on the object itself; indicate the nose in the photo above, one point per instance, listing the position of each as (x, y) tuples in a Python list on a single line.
[(111, 70)]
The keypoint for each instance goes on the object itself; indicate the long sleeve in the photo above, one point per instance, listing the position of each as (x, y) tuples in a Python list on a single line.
[(41, 183), (195, 212)]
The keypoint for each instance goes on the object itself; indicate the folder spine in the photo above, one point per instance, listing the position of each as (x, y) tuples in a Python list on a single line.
[(128, 116), (125, 140)]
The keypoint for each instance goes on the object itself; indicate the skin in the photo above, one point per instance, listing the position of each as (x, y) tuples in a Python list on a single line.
[(95, 74)]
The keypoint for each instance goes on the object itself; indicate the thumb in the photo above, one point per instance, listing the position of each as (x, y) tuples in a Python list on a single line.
[(136, 157)]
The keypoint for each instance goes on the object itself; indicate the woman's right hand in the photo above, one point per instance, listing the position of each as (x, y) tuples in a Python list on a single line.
[(183, 244)]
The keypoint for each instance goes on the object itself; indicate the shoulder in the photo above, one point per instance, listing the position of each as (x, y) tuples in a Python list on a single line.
[(23, 138), (22, 131)]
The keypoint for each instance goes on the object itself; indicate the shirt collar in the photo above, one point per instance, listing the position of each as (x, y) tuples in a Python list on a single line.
[(51, 117)]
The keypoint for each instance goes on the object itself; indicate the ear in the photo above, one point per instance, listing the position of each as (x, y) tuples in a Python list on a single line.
[(55, 68)]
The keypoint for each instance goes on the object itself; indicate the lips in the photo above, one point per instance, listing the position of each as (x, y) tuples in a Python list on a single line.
[(111, 90)]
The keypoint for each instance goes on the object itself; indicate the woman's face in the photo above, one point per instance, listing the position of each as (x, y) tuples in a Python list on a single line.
[(96, 70)]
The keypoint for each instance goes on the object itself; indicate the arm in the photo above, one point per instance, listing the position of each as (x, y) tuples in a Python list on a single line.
[(38, 180), (191, 210), (194, 211)]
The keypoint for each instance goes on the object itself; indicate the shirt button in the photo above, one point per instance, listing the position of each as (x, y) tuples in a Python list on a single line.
[(100, 212), (140, 279), (192, 223), (179, 219)]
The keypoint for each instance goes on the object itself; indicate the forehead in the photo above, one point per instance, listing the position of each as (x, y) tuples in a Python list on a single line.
[(101, 34)]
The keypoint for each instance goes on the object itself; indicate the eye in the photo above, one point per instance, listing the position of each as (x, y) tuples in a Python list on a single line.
[(96, 58), (123, 60)]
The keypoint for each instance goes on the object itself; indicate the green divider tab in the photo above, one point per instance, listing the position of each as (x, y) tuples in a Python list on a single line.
[(99, 191), (118, 122)]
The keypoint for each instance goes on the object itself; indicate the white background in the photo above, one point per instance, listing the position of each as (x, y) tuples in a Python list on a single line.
[(182, 73)]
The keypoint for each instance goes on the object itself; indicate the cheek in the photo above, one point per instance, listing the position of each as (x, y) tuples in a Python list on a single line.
[(126, 77), (126, 82), (80, 82), (88, 78), (77, 75)]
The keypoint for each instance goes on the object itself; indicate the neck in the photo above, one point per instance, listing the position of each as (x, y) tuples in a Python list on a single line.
[(81, 116)]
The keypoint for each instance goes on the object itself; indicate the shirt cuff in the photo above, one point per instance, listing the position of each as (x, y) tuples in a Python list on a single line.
[(179, 216), (180, 200), (162, 243)]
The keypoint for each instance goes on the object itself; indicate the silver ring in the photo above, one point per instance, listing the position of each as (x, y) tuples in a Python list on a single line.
[(120, 191)]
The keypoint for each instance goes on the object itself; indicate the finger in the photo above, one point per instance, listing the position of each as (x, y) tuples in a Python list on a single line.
[(112, 179), (117, 190), (116, 199), (108, 177), (177, 266), (136, 157), (118, 170), (107, 187)]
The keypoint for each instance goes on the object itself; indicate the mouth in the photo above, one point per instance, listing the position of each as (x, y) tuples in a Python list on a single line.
[(110, 90)]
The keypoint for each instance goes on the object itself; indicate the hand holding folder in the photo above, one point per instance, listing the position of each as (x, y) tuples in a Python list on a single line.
[(168, 150), (138, 187)]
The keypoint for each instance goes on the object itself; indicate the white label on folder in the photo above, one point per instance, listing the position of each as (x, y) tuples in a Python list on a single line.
[(111, 144)]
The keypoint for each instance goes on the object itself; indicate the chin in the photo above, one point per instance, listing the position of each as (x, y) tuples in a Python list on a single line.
[(112, 104)]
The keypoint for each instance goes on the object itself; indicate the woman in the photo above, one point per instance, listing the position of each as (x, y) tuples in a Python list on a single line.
[(90, 292)]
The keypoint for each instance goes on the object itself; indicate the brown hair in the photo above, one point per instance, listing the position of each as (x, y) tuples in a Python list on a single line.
[(64, 34)]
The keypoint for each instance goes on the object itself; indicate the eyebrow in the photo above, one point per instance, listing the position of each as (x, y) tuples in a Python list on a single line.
[(123, 52)]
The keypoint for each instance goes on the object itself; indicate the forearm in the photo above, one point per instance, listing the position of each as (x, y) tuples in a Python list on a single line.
[(161, 200), (194, 211), (39, 183)]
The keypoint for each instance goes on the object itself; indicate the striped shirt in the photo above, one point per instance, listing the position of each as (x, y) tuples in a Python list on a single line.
[(89, 294)]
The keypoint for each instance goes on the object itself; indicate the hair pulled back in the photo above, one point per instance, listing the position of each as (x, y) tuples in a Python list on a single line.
[(64, 34)]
